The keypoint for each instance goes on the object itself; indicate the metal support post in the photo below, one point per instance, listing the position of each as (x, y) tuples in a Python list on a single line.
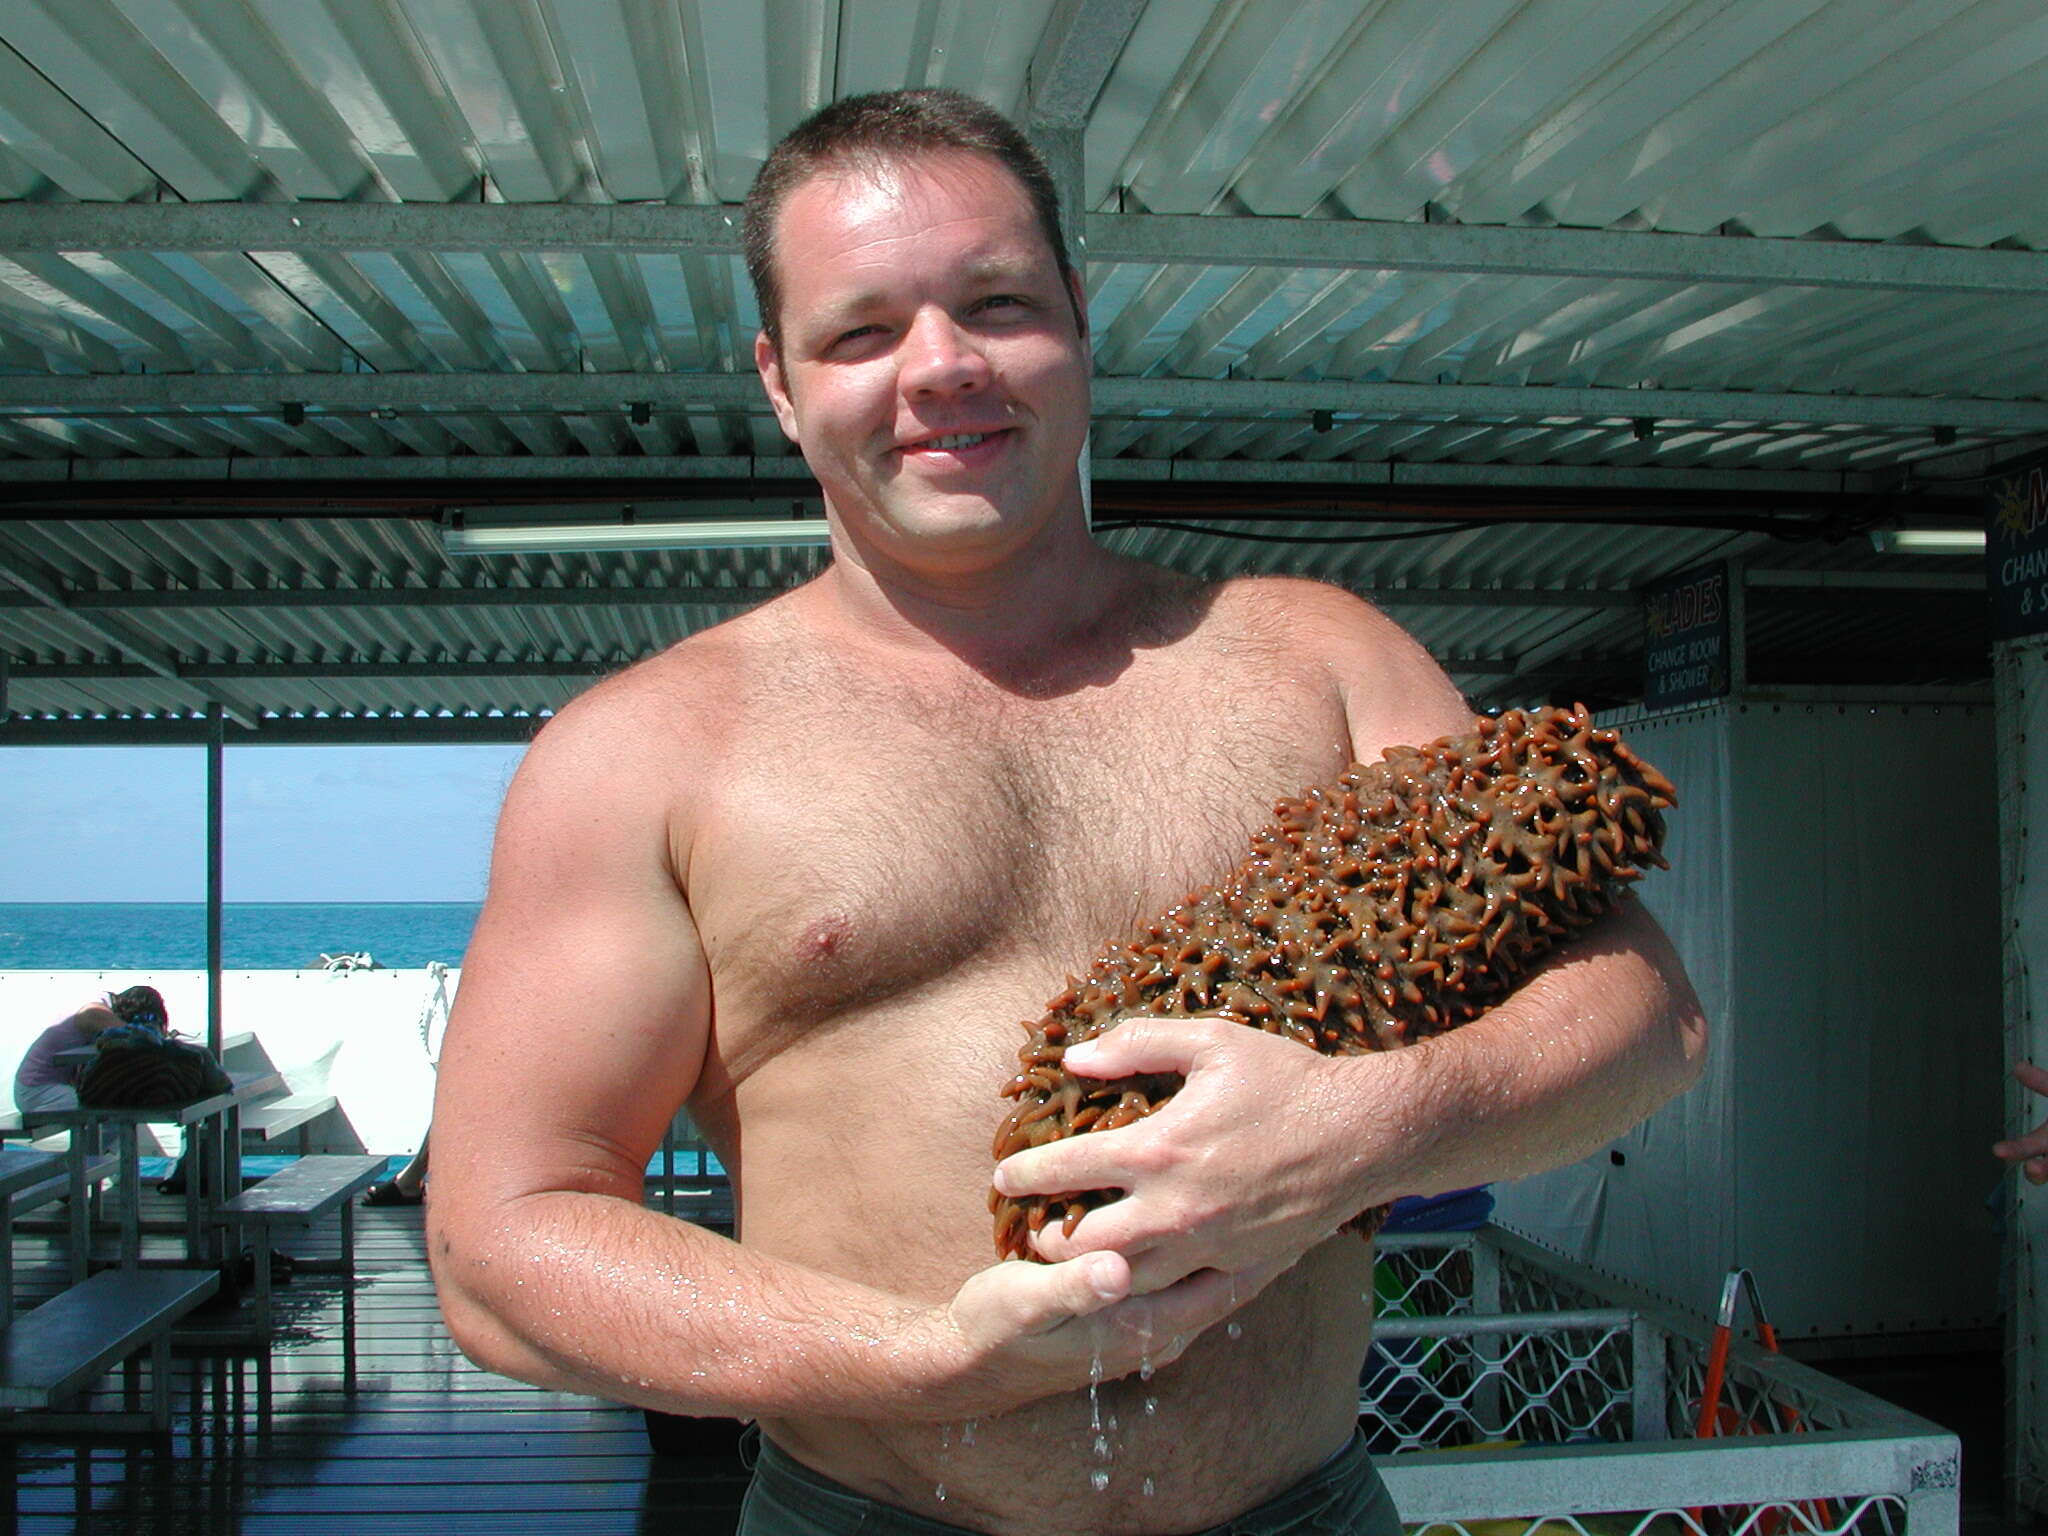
[(1647, 1383), (1489, 1396), (216, 748)]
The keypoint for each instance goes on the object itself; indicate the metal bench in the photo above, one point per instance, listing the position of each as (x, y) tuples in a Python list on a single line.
[(77, 1336), (297, 1197)]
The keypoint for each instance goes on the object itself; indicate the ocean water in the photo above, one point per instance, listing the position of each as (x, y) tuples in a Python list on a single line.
[(255, 935)]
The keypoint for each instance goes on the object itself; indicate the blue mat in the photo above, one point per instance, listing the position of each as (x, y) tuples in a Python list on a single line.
[(263, 1165)]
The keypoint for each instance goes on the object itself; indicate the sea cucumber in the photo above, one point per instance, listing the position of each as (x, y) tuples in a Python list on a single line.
[(1403, 900)]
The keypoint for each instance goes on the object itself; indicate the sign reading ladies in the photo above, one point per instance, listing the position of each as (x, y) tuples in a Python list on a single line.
[(1685, 638)]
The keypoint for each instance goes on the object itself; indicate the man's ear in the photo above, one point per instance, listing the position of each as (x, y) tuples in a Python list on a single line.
[(768, 363)]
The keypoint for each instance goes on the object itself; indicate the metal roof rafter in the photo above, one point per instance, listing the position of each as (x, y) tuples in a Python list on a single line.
[(126, 599), (24, 477), (1187, 239), (556, 393)]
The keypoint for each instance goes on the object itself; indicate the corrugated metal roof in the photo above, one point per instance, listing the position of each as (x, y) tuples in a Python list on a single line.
[(1770, 250)]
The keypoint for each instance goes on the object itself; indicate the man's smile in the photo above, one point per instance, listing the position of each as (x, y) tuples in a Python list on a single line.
[(957, 447)]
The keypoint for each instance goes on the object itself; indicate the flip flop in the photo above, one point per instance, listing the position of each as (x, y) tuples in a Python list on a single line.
[(388, 1193)]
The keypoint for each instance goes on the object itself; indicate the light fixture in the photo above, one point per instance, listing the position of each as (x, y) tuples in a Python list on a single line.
[(1928, 541), (571, 538)]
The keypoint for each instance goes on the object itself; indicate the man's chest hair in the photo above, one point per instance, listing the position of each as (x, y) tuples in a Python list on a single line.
[(892, 833)]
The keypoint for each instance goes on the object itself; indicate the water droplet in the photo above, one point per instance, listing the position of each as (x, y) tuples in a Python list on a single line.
[(1151, 1406), (1145, 1368), (967, 1432), (1148, 1488), (1102, 1447), (939, 1493), (1234, 1328), (1098, 1479)]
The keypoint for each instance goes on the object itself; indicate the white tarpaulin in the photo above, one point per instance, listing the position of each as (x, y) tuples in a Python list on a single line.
[(1832, 894)]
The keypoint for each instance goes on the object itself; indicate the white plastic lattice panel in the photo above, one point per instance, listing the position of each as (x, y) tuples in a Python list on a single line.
[(1546, 1395)]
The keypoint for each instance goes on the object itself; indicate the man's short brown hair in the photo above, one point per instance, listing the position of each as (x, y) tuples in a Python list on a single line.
[(874, 130)]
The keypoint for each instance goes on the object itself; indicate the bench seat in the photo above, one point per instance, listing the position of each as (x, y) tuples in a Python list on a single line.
[(97, 1171), (77, 1336), (298, 1196), (267, 1121)]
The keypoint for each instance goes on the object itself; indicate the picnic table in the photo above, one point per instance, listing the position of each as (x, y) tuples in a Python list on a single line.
[(212, 1129)]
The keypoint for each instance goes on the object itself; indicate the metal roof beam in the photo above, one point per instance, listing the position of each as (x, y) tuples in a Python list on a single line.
[(223, 599), (1971, 580), (552, 394), (316, 671), (276, 731), (1076, 52), (462, 468), (1070, 71), (402, 671), (1345, 399), (307, 228), (1529, 251), (300, 598), (152, 659)]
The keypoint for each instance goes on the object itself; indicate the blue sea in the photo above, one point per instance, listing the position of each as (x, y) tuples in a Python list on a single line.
[(255, 935)]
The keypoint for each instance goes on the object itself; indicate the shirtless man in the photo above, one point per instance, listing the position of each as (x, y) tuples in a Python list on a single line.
[(808, 870)]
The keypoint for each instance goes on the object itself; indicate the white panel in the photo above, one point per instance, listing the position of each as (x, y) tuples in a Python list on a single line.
[(1867, 1057), (2023, 818), (1664, 1217)]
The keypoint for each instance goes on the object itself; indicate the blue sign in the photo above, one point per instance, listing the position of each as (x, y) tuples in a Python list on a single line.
[(2016, 554), (1685, 638)]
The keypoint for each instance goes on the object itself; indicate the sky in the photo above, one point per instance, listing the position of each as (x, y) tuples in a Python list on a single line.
[(339, 824)]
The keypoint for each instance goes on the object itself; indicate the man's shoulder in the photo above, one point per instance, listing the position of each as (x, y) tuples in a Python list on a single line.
[(1392, 689), (1300, 611), (685, 690), (640, 743)]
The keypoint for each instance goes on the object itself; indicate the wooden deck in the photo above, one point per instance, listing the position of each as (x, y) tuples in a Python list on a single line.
[(362, 1418)]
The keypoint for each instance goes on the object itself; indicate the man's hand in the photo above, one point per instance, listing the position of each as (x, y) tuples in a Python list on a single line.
[(2031, 1150), (1026, 1331), (1258, 1157)]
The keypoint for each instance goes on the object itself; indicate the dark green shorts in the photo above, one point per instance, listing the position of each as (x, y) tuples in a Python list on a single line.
[(1342, 1497)]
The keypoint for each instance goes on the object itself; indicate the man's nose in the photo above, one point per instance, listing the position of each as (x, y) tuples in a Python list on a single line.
[(940, 357)]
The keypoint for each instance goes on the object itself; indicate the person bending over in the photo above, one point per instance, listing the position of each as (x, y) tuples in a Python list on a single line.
[(45, 1080), (806, 871)]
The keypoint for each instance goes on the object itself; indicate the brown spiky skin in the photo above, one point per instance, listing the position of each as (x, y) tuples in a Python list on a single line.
[(1402, 901)]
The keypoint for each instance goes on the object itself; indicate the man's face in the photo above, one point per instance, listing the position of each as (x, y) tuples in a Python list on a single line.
[(931, 368)]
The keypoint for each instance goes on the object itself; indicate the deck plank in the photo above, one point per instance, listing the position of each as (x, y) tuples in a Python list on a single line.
[(371, 1421)]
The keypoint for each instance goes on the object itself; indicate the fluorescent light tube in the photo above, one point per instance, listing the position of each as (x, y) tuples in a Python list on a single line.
[(1930, 541), (546, 538)]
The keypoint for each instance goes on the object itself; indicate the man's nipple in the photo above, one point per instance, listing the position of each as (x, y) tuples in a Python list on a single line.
[(825, 939)]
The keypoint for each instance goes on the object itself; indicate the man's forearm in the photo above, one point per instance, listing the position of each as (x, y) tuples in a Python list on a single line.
[(595, 1294), (1586, 1049)]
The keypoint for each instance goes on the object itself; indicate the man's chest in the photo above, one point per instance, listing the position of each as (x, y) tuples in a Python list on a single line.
[(869, 848)]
